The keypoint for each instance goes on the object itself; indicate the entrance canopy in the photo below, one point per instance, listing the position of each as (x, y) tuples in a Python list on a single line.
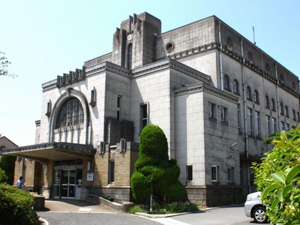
[(52, 151)]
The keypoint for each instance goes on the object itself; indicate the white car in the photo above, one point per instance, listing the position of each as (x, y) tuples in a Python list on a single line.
[(254, 208)]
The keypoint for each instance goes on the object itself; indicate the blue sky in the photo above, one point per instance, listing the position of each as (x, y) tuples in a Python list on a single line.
[(44, 39)]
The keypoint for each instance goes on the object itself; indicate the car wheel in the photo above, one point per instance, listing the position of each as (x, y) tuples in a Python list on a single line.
[(259, 214)]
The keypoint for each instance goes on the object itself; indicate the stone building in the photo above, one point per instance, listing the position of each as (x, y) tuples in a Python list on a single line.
[(215, 94)]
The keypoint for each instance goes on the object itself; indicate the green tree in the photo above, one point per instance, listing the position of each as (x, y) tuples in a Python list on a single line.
[(4, 63), (7, 164), (154, 173), (279, 180)]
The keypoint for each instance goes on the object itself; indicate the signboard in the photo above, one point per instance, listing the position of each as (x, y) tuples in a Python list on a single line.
[(90, 177)]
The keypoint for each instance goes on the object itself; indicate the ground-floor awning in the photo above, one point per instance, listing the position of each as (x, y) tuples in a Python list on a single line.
[(52, 151)]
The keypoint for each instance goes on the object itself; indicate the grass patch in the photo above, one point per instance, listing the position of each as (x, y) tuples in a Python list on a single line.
[(160, 208)]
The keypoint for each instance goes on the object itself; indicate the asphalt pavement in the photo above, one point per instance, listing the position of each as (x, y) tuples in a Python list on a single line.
[(74, 212)]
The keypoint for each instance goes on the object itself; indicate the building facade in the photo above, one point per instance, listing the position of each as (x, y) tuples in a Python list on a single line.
[(214, 93)]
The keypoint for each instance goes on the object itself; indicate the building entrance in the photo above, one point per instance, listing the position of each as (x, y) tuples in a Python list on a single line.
[(68, 179)]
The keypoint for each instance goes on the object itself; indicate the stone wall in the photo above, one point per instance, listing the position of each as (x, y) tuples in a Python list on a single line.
[(215, 195)]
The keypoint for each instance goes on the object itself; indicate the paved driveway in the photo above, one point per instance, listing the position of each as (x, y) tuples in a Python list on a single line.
[(77, 212), (233, 215)]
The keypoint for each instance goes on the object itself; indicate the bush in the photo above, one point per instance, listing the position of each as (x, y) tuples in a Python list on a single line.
[(154, 172), (8, 165), (158, 207), (278, 179), (16, 206), (3, 177)]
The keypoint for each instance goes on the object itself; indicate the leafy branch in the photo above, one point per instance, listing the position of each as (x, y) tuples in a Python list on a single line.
[(4, 63)]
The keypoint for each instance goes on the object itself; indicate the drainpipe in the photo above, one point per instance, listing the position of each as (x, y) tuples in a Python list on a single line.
[(245, 116), (277, 99), (220, 58)]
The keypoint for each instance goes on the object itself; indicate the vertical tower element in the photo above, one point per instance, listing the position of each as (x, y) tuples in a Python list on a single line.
[(134, 42)]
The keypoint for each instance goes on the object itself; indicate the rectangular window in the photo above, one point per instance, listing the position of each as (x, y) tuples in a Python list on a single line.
[(274, 125), (144, 116), (257, 123), (250, 122), (282, 125), (268, 125), (215, 173), (119, 104), (231, 174), (212, 110), (298, 115), (224, 114), (239, 116), (189, 171), (111, 171), (288, 126)]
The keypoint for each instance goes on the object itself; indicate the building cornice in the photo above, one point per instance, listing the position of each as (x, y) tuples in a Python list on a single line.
[(169, 63), (206, 88), (76, 148), (108, 66), (255, 68)]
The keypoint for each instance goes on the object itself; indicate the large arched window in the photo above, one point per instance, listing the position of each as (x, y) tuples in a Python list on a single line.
[(71, 113), (129, 56)]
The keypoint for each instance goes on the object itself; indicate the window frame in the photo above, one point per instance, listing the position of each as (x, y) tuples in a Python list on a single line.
[(212, 111), (256, 96), (144, 118), (250, 121), (249, 93), (226, 82), (257, 123), (119, 106), (236, 89), (70, 113), (224, 114), (230, 174), (217, 171), (189, 173)]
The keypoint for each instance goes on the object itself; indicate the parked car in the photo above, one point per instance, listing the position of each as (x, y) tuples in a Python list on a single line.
[(254, 208)]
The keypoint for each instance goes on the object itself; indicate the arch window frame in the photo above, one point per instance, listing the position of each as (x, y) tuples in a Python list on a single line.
[(70, 113), (249, 93), (267, 102), (256, 96), (286, 111), (226, 82), (273, 105), (236, 89)]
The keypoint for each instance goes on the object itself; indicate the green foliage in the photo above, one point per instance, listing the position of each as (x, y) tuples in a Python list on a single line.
[(276, 135), (16, 206), (175, 207), (3, 177), (8, 165), (154, 172), (278, 177)]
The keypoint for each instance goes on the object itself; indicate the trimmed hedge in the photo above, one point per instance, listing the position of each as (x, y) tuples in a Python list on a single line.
[(3, 177), (16, 207), (154, 172)]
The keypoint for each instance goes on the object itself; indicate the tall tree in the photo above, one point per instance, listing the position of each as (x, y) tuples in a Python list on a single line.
[(155, 175), (4, 63)]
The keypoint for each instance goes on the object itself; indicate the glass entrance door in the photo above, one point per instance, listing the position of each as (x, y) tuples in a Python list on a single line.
[(68, 183), (67, 179)]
